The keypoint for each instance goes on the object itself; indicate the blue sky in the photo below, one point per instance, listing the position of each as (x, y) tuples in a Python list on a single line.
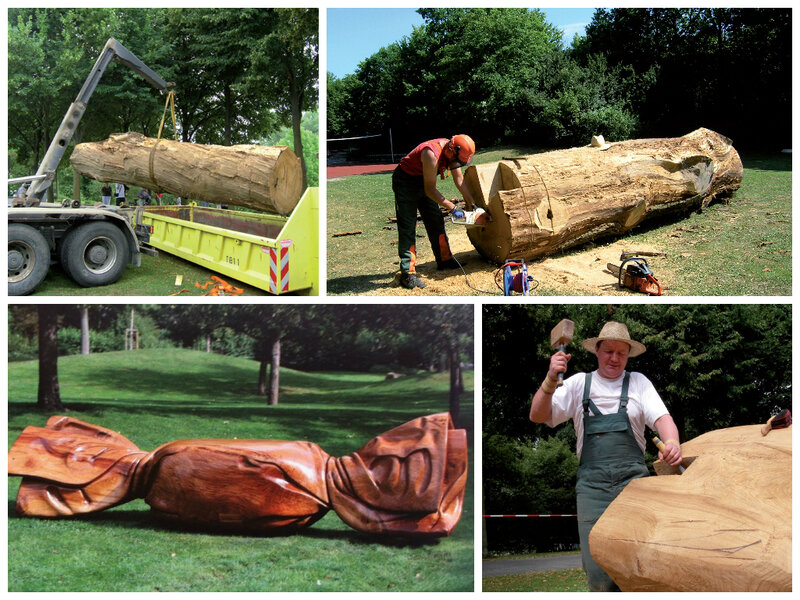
[(356, 33)]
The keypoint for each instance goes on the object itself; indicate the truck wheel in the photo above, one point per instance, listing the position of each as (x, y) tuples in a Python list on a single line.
[(95, 254), (28, 259)]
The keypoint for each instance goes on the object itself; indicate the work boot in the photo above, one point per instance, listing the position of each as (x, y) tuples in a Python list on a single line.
[(448, 264), (411, 281)]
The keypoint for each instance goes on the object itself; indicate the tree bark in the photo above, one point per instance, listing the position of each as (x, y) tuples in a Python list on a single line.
[(264, 178), (85, 341), (455, 383), (49, 397), (275, 372), (725, 524), (547, 202), (262, 377)]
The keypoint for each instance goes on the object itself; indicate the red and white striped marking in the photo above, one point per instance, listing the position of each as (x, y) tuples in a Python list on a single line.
[(495, 516), (279, 268)]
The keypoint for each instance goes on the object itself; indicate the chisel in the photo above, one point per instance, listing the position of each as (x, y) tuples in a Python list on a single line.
[(657, 441)]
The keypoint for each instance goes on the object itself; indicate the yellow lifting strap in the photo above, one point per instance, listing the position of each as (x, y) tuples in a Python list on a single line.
[(170, 103)]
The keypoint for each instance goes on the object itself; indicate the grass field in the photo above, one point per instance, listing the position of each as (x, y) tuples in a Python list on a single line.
[(743, 247), (155, 396), (570, 580), (155, 277)]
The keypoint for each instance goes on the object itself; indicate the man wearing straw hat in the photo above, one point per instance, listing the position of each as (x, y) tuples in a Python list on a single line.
[(609, 409)]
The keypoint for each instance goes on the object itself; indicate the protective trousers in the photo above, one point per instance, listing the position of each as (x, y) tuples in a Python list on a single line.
[(610, 459), (409, 196)]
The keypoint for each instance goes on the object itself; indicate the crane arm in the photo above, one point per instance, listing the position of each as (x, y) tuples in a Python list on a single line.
[(115, 51)]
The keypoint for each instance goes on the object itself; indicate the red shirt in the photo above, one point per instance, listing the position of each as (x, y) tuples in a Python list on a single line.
[(412, 164)]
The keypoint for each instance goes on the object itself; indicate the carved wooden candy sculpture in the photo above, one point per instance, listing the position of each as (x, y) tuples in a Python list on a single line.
[(725, 524), (408, 481)]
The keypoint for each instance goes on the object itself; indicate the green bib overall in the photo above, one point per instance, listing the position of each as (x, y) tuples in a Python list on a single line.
[(610, 459)]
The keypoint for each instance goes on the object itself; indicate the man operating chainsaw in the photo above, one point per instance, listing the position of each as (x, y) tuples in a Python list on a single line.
[(609, 409), (414, 186)]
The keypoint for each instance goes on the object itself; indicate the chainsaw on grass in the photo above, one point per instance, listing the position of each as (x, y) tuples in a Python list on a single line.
[(634, 273)]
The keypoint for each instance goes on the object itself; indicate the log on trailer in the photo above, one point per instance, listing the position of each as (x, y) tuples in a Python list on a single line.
[(264, 178), (725, 524), (551, 201)]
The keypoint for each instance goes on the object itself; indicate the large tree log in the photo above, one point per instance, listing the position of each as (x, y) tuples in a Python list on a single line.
[(265, 178), (551, 201), (725, 524)]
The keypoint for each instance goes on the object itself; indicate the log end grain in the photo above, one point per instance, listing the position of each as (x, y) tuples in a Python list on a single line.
[(493, 241)]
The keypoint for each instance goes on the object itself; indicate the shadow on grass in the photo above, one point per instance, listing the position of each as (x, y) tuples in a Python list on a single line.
[(354, 284), (144, 520), (767, 162)]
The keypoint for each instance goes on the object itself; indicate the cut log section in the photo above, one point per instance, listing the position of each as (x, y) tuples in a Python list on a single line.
[(264, 178), (547, 202), (725, 524)]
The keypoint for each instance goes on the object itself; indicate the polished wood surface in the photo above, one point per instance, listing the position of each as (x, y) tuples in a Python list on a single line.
[(408, 481)]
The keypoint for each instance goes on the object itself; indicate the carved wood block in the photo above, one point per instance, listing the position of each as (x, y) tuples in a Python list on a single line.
[(725, 524)]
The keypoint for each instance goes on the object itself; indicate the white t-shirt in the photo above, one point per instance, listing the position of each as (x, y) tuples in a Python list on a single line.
[(645, 406)]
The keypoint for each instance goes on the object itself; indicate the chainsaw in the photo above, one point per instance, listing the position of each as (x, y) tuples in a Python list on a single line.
[(634, 273), (515, 278), (474, 218)]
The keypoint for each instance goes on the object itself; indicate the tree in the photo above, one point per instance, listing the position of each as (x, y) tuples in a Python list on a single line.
[(739, 60), (215, 104), (285, 67), (49, 396), (52, 53), (85, 341)]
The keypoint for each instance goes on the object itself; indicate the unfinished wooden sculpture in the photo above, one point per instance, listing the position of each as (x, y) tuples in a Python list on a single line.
[(725, 524), (265, 178), (409, 481), (546, 202)]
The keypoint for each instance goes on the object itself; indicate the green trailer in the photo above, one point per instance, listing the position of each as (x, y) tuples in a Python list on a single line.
[(278, 254)]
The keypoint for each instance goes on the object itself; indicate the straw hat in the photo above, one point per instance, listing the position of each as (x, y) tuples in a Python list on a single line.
[(617, 332), (599, 143)]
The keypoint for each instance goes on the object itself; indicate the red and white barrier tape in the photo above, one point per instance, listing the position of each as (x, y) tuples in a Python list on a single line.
[(494, 516)]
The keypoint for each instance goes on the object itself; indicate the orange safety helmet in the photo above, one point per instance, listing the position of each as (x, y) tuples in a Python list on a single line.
[(462, 148)]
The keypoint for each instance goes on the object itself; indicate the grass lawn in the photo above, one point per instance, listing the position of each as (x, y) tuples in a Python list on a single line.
[(155, 277), (156, 396), (740, 248), (570, 580)]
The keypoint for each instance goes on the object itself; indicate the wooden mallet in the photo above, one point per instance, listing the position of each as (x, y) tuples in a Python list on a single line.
[(780, 421), (560, 336)]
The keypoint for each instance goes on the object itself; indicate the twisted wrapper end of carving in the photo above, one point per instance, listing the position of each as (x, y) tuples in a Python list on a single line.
[(409, 481), (70, 467)]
